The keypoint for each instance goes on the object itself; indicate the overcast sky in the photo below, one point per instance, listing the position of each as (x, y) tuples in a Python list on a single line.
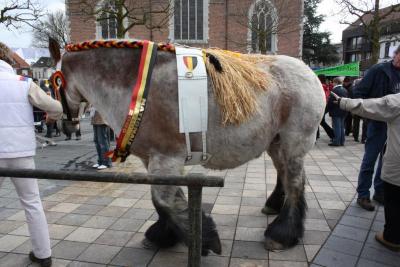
[(22, 37)]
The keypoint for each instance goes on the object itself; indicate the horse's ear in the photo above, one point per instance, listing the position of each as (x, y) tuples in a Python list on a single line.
[(54, 49)]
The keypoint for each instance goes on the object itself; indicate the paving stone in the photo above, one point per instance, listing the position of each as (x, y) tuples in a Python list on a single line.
[(315, 237), (358, 212), (142, 214), (73, 219), (65, 207), (235, 262), (89, 209), (250, 211), (114, 238), (273, 263), (123, 202), (53, 216), (357, 222), (249, 250), (296, 253), (84, 234), (252, 221), (380, 255), (85, 264), (367, 263), (112, 211), (311, 251), (130, 225), (100, 222), (134, 257), (59, 263), (249, 234), (330, 258), (316, 225), (9, 226), (344, 245), (226, 220), (163, 259), (60, 231), (14, 260), (227, 200), (226, 209), (99, 253), (350, 232), (99, 200), (68, 250), (10, 242)]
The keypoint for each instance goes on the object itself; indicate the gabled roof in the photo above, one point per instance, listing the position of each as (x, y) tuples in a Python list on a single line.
[(19, 62), (394, 16), (31, 54), (43, 62)]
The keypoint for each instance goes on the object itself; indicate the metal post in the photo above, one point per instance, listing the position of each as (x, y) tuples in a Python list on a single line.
[(195, 221)]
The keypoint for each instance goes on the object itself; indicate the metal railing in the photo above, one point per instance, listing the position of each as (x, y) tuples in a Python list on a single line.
[(194, 182)]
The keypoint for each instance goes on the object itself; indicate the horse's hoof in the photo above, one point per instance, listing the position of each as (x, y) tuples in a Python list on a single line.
[(147, 244), (273, 245), (269, 211)]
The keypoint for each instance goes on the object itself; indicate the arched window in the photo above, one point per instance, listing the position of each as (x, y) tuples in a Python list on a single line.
[(262, 27), (190, 21), (106, 21)]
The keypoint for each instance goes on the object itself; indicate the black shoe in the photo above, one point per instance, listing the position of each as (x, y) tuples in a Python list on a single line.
[(42, 262), (366, 204), (378, 198), (68, 138), (332, 144), (356, 140)]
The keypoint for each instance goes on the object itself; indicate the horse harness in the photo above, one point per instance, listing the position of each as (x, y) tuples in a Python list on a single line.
[(193, 99)]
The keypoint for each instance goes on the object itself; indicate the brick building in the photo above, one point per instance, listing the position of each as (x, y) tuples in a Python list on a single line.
[(248, 26)]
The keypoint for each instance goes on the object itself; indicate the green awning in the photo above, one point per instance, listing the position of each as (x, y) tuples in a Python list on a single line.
[(351, 69)]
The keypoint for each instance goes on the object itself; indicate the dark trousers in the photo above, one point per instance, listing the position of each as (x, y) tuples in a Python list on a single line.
[(102, 141), (391, 232), (338, 128), (364, 130), (50, 127), (356, 127), (348, 121), (327, 128), (376, 139)]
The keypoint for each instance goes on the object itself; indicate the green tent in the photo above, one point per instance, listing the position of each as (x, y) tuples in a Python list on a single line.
[(351, 69)]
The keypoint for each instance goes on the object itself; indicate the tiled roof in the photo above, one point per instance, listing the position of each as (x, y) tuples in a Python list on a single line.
[(19, 62), (43, 62)]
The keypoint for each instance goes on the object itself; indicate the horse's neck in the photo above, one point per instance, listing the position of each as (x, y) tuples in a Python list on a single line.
[(110, 108)]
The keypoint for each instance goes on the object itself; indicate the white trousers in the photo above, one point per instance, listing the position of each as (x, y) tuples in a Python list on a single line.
[(28, 192)]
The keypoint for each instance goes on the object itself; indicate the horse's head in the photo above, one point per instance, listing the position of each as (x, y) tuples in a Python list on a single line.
[(65, 90)]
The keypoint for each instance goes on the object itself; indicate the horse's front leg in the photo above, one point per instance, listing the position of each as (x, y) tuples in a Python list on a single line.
[(286, 230), (172, 208)]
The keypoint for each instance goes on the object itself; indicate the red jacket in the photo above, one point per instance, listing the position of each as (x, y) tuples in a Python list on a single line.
[(327, 91)]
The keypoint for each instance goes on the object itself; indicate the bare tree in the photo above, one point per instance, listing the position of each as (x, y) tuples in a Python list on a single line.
[(54, 26), (268, 18), (127, 14), (15, 13), (370, 16)]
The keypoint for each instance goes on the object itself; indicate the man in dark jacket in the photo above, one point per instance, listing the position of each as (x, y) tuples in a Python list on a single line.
[(380, 80), (338, 115)]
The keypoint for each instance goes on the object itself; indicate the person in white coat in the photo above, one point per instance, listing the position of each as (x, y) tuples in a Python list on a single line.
[(18, 95)]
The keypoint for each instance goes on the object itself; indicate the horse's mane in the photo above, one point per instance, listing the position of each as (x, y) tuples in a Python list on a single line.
[(236, 78)]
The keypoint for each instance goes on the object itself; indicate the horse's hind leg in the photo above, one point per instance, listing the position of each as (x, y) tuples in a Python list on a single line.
[(288, 227), (275, 201), (172, 208)]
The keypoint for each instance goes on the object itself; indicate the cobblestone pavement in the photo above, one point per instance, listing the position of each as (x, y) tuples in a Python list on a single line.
[(102, 224)]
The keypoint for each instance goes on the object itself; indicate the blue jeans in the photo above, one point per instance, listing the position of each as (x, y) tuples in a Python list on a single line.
[(102, 141), (338, 129), (376, 139)]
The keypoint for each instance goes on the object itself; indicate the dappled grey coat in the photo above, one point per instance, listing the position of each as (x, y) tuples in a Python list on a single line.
[(385, 109)]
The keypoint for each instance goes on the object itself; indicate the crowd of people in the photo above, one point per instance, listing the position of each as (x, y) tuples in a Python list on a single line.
[(376, 99)]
